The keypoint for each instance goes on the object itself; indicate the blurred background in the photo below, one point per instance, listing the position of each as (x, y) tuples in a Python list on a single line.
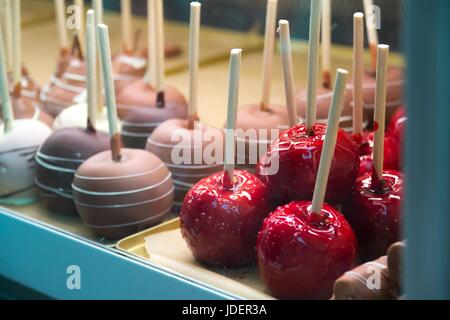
[(248, 15)]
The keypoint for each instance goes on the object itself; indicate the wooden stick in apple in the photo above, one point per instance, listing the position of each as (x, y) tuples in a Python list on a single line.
[(7, 33), (313, 63), (7, 111), (288, 71), (97, 5), (159, 52), (194, 41), (105, 54), (326, 43), (60, 12), (269, 42), (80, 27), (358, 72), (233, 95), (380, 113), (125, 15), (151, 61), (372, 34), (91, 65), (329, 142), (17, 41)]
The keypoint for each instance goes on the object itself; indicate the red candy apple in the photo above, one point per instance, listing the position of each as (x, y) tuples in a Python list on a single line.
[(374, 208), (397, 124), (298, 153), (374, 212), (220, 224), (391, 153), (299, 255), (221, 214)]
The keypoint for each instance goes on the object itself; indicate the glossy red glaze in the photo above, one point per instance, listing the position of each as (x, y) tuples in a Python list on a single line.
[(375, 215), (392, 149), (299, 258), (220, 225), (397, 125), (298, 155)]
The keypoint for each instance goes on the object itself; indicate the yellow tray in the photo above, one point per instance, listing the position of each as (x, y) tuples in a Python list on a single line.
[(168, 251)]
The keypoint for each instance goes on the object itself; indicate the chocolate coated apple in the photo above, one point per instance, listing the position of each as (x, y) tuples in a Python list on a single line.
[(57, 160), (139, 94), (300, 256), (324, 96), (290, 166), (117, 198), (68, 82), (219, 224), (374, 212), (184, 152), (255, 130)]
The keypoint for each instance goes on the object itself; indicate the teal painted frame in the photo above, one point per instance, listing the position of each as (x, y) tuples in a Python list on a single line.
[(37, 256), (427, 209)]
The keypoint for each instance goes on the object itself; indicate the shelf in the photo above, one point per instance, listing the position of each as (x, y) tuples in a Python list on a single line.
[(37, 256)]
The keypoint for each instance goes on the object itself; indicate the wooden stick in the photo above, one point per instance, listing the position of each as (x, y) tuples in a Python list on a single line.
[(105, 54), (60, 12), (159, 52), (98, 14), (313, 63), (380, 111), (7, 111), (326, 43), (97, 5), (233, 95), (80, 31), (127, 38), (288, 71), (358, 71), (372, 34), (91, 65), (7, 33), (194, 41), (329, 143), (269, 43), (151, 61), (17, 42)]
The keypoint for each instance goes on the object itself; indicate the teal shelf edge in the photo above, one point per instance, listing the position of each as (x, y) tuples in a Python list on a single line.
[(38, 257)]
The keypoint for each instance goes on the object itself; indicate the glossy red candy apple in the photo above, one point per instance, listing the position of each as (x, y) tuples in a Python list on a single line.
[(397, 124), (299, 255), (392, 150), (297, 153), (374, 212), (219, 224)]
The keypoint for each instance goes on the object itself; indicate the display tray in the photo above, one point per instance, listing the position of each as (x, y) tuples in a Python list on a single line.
[(71, 224), (168, 251)]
